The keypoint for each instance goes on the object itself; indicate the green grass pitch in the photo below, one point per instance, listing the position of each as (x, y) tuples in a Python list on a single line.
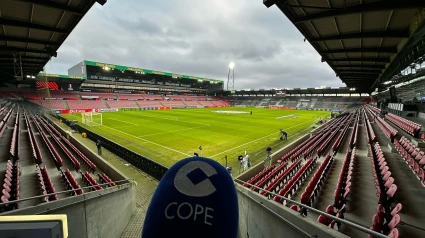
[(169, 136)]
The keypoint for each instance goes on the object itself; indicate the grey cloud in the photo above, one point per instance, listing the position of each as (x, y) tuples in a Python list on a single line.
[(198, 38)]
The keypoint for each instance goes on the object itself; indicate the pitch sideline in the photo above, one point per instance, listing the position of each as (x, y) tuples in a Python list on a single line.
[(247, 143)]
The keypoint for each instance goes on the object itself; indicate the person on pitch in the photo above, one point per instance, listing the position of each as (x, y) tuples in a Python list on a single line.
[(283, 135)]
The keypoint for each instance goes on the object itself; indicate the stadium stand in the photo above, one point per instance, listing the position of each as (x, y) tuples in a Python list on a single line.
[(121, 104), (34, 137), (307, 183), (90, 104)]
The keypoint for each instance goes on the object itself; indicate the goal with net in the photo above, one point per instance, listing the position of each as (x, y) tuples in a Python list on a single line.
[(92, 118)]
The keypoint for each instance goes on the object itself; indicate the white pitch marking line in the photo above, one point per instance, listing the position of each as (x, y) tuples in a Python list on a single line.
[(256, 140), (165, 147), (123, 121), (165, 132)]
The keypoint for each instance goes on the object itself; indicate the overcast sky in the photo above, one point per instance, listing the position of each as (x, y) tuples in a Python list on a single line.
[(198, 38)]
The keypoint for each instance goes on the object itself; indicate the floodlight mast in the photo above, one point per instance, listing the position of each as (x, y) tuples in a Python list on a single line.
[(231, 77)]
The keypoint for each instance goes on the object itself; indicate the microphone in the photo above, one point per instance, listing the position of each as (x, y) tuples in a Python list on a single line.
[(195, 198)]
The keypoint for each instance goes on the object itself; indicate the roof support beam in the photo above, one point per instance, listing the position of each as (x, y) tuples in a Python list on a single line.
[(370, 34), (23, 57), (269, 3), (355, 75), (11, 22), (363, 66), (18, 49), (339, 71), (55, 5), (26, 40), (362, 50), (378, 60), (362, 8)]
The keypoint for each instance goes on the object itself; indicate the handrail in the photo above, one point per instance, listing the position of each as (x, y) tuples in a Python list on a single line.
[(67, 191), (346, 222)]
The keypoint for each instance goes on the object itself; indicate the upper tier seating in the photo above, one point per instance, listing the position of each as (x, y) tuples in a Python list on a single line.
[(52, 104), (408, 126), (149, 103), (121, 104), (414, 157), (85, 104), (176, 103), (130, 96), (152, 97)]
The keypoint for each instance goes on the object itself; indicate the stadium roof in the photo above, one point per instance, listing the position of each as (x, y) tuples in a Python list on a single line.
[(149, 71), (366, 42), (292, 91), (33, 30), (41, 75)]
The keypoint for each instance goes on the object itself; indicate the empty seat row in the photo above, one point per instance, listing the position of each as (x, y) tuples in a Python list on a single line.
[(260, 175), (339, 139), (70, 182), (265, 181), (88, 179), (353, 137), (292, 186), (406, 125), (10, 190), (103, 178), (52, 151), (48, 184), (318, 142), (384, 183), (41, 184), (370, 134), (70, 156), (36, 153), (4, 121), (277, 183), (344, 181), (86, 160), (386, 221), (388, 130), (15, 143), (413, 156), (327, 142), (329, 221), (315, 184)]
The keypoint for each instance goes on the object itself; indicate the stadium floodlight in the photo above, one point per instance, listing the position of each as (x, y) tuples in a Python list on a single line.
[(231, 77)]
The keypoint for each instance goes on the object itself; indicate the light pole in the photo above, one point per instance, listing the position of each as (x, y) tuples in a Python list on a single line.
[(231, 77)]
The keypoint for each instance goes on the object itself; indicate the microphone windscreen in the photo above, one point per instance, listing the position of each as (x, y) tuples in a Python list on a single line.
[(195, 198)]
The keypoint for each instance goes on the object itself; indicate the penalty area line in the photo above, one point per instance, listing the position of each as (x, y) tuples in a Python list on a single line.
[(247, 143), (165, 147)]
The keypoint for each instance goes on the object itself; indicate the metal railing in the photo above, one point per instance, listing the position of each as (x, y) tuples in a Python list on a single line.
[(343, 221), (66, 191)]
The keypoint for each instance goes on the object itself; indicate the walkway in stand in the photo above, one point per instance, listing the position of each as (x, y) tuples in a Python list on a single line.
[(362, 200)]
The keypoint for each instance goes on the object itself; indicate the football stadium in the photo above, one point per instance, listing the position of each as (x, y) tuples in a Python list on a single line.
[(113, 150)]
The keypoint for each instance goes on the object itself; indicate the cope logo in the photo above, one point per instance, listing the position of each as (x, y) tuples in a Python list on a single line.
[(185, 183)]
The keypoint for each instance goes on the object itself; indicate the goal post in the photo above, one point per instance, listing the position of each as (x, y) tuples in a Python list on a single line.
[(92, 118)]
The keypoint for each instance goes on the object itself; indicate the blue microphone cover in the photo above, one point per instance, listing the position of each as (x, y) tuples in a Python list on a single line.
[(196, 198)]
